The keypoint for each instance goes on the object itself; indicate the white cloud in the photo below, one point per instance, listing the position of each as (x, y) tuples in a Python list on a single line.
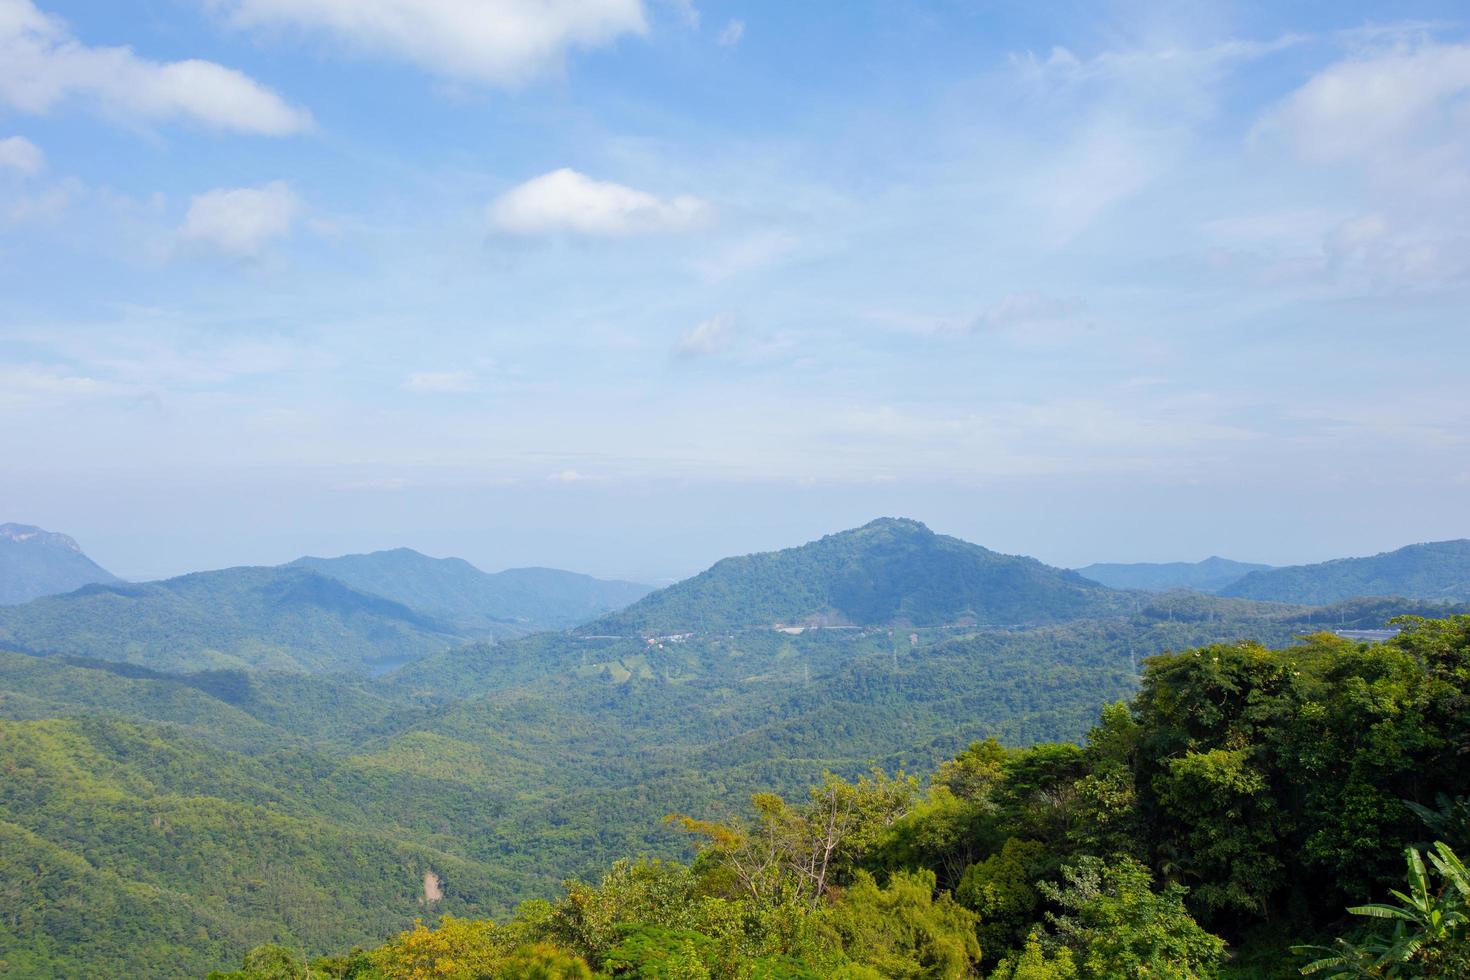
[(42, 64), (241, 220), (707, 337), (441, 381), (19, 153), (495, 41), (732, 33), (567, 201), (1360, 106)]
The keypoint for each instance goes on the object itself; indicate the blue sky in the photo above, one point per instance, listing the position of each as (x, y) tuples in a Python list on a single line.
[(628, 285)]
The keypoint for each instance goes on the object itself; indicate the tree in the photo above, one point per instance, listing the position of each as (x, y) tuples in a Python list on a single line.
[(904, 930), (544, 961), (1117, 926), (805, 849), (459, 949), (1429, 933), (1002, 891), (271, 962)]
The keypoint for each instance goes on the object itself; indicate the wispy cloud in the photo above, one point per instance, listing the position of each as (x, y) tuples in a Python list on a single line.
[(731, 33), (42, 65), (1367, 103), (707, 337), (488, 41)]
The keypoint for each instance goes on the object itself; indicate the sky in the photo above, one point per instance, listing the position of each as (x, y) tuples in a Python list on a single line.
[(625, 286)]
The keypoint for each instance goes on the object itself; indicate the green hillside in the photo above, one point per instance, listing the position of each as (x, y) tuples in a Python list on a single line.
[(518, 600), (1230, 820), (255, 618), (35, 563), (129, 850), (1210, 575), (513, 765), (1437, 571), (214, 809), (888, 571)]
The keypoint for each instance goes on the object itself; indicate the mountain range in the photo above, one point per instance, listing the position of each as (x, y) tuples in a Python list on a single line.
[(192, 767), (1210, 575), (367, 612), (517, 600)]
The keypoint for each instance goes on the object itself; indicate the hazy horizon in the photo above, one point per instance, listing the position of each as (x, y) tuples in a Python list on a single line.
[(496, 549), (640, 284)]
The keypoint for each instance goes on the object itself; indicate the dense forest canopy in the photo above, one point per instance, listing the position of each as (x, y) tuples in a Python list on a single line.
[(1218, 824)]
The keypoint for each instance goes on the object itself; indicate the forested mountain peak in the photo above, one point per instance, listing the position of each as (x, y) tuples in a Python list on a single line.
[(35, 562), (1437, 570), (891, 570)]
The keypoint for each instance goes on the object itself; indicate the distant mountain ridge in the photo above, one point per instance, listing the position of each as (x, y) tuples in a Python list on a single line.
[(1438, 570), (1210, 575), (249, 617), (892, 570), (517, 600), (35, 562)]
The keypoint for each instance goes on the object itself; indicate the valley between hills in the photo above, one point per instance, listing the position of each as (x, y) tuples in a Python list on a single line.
[(317, 755)]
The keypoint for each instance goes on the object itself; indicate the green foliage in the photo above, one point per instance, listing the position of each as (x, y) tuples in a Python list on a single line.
[(1002, 890), (1117, 926), (802, 851), (305, 811), (904, 930), (1034, 962), (1431, 927)]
